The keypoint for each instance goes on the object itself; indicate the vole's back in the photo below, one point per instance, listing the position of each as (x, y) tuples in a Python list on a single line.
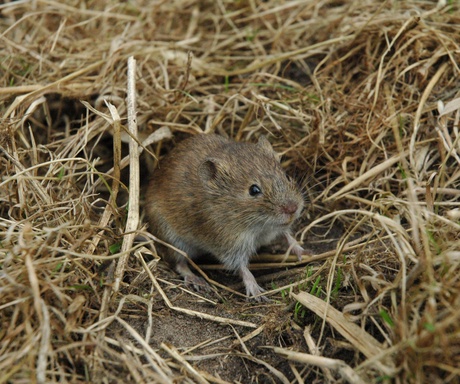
[(176, 204)]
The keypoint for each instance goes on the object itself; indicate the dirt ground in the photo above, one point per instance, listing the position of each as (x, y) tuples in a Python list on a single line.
[(217, 345)]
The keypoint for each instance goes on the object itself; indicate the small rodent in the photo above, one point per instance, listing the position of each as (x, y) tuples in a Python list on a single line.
[(214, 195)]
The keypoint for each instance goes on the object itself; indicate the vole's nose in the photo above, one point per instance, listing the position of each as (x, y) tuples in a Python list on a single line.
[(290, 207)]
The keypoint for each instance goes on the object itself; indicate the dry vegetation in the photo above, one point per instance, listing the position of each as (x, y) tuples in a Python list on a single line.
[(361, 97)]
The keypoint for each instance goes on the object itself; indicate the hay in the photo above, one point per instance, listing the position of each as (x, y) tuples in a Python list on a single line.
[(361, 98)]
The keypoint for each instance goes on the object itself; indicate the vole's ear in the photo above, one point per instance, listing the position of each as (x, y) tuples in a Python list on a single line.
[(265, 145), (209, 169)]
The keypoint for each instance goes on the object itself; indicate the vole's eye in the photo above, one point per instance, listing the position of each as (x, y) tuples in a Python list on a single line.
[(254, 190)]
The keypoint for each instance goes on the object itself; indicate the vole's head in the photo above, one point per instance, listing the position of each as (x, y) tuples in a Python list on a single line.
[(245, 183)]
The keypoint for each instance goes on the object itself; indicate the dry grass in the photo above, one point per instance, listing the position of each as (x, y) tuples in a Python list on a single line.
[(361, 97)]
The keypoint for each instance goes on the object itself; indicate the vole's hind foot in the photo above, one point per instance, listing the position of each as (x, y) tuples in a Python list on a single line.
[(191, 280), (197, 283)]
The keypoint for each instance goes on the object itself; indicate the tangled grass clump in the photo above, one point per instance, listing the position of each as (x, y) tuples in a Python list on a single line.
[(362, 100)]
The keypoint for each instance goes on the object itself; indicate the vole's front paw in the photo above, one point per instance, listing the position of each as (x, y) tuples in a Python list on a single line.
[(296, 248), (253, 290), (299, 251), (260, 299)]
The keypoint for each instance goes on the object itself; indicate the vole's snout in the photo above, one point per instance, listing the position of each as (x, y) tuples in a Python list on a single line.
[(290, 207)]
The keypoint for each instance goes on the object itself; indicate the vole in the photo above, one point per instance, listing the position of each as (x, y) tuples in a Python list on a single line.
[(214, 195)]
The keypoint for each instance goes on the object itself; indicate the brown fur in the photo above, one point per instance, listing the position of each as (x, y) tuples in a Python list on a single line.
[(198, 200)]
